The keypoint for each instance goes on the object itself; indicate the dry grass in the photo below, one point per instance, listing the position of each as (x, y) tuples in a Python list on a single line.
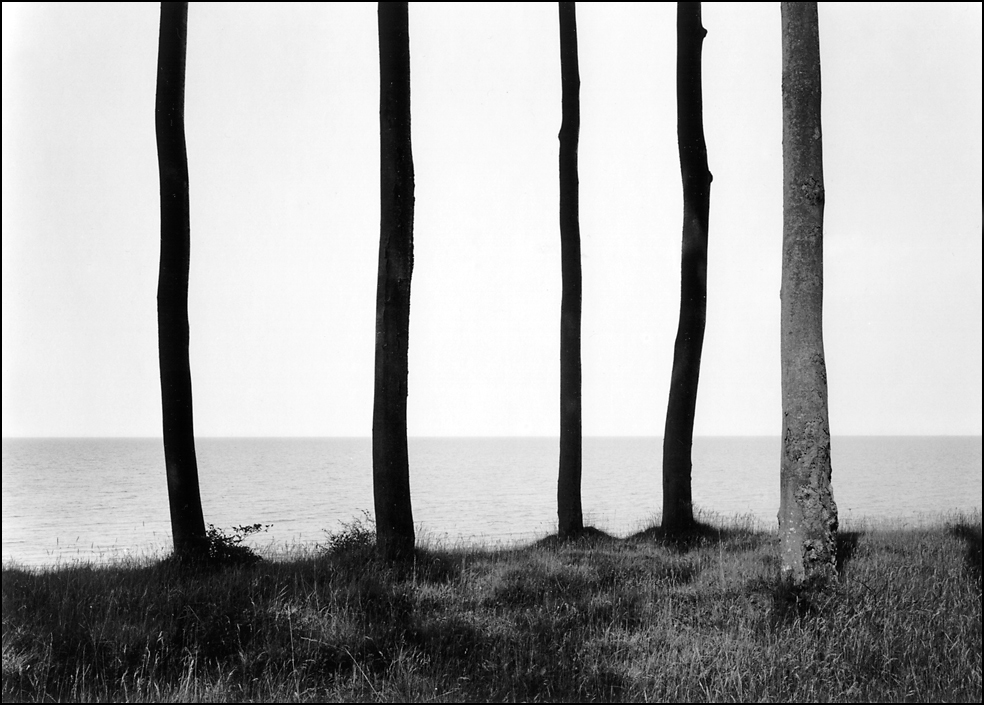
[(642, 618)]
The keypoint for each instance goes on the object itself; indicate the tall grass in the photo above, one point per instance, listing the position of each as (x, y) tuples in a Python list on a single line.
[(642, 618)]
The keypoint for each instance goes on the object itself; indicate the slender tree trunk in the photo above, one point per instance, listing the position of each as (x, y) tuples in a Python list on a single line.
[(184, 497), (390, 460), (571, 521), (807, 513), (678, 437)]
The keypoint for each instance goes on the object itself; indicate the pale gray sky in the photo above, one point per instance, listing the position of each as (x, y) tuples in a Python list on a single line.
[(282, 123)]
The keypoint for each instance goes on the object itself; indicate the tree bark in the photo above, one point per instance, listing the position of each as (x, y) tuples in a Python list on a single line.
[(570, 517), (807, 513), (678, 436), (184, 497), (390, 459)]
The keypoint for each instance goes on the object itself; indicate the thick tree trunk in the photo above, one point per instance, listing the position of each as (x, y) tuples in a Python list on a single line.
[(678, 436), (390, 460), (571, 521), (807, 513), (184, 498)]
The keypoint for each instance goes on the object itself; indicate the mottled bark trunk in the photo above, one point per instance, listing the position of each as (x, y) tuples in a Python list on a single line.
[(807, 513), (390, 460), (571, 521), (184, 497), (678, 436)]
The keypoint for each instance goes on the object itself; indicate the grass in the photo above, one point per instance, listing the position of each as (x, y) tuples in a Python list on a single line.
[(642, 618)]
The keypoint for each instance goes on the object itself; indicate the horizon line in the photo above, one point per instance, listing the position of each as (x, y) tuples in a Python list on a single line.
[(491, 436)]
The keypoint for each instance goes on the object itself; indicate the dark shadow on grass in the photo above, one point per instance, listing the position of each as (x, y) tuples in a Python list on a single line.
[(791, 602), (587, 535), (972, 537), (448, 639), (847, 544), (436, 566), (698, 535)]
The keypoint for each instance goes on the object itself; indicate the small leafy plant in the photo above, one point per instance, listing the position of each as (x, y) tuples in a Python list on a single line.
[(357, 538), (227, 547)]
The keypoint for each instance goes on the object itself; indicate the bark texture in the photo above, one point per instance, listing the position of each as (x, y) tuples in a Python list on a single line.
[(570, 517), (678, 435), (184, 497), (390, 460), (807, 513)]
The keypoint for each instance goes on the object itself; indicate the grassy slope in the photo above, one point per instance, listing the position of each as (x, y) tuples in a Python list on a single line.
[(601, 619)]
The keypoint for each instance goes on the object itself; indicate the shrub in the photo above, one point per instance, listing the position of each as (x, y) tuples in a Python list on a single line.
[(227, 548), (357, 538)]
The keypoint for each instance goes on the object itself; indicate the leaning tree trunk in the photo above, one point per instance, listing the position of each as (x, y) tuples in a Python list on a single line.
[(807, 512), (678, 437), (390, 459), (184, 497), (571, 521)]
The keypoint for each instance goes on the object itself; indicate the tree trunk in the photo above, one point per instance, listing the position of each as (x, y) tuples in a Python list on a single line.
[(390, 460), (807, 513), (678, 437), (571, 521), (184, 498)]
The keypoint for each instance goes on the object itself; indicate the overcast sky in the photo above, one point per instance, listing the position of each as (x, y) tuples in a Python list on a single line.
[(282, 125)]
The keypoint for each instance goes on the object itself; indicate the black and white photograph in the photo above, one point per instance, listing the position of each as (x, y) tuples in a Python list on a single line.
[(469, 352)]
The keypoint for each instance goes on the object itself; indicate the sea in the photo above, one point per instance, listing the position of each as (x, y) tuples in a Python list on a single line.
[(99, 500)]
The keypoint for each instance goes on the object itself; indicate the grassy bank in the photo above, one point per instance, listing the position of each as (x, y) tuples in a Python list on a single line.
[(641, 618)]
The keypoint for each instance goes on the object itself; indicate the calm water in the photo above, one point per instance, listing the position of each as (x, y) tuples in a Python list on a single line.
[(101, 498)]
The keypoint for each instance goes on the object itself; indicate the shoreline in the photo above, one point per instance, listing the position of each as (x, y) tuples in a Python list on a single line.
[(289, 551)]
